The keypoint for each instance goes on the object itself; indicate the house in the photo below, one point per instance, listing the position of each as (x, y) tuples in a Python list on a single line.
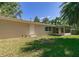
[(12, 27)]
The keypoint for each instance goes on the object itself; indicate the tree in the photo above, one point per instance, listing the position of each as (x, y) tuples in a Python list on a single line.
[(52, 21), (36, 19), (10, 9), (45, 20), (70, 13), (56, 21)]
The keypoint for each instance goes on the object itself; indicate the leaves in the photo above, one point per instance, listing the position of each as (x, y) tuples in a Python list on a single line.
[(11, 9), (36, 19), (70, 12), (46, 20)]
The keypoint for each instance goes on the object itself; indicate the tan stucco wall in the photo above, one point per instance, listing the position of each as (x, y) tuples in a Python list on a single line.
[(10, 29), (40, 30)]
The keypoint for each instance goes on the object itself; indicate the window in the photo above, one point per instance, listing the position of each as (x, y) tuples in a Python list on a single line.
[(47, 28), (55, 30)]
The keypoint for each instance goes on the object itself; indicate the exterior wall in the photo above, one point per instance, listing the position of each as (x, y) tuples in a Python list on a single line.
[(12, 29), (40, 30), (9, 29), (32, 30)]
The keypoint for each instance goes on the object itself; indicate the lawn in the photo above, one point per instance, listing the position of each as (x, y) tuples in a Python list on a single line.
[(47, 46), (11, 46)]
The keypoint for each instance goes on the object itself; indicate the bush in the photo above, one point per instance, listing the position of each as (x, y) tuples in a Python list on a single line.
[(75, 32)]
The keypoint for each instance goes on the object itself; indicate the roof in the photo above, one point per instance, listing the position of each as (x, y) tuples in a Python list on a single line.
[(24, 21)]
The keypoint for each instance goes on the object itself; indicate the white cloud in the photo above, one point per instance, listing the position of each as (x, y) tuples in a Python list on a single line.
[(42, 17), (45, 16)]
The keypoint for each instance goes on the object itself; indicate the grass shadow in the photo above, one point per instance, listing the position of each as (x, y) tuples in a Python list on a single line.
[(54, 47)]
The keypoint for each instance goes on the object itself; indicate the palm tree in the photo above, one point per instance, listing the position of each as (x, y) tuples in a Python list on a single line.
[(11, 9), (70, 13)]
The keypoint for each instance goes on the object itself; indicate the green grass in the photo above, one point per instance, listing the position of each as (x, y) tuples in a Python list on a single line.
[(47, 46), (56, 46)]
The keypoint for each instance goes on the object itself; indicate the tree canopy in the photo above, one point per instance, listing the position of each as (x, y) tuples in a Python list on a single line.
[(70, 13), (45, 20), (36, 19), (11, 9), (56, 21)]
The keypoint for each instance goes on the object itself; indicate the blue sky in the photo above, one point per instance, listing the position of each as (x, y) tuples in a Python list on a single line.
[(40, 9)]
